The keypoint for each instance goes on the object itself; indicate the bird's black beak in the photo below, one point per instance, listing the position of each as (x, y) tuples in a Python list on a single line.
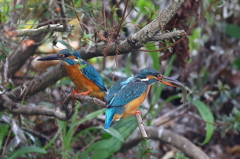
[(50, 57), (169, 81)]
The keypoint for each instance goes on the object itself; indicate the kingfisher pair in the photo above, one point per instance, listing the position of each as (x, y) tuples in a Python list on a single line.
[(125, 95)]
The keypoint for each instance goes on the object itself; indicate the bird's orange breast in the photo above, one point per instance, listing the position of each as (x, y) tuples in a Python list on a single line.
[(131, 107), (82, 83)]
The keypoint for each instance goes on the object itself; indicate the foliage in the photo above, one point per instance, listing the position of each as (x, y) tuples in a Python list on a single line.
[(210, 72)]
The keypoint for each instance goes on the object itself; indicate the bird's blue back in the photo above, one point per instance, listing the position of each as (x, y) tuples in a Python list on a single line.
[(115, 88), (121, 93)]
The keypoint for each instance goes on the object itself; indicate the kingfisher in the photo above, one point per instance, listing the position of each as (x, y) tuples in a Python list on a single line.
[(82, 74), (127, 94)]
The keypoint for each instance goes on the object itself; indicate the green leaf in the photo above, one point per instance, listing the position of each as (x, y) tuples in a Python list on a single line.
[(68, 135), (232, 30), (51, 141), (236, 64), (3, 133), (127, 67), (25, 150), (158, 90), (207, 116), (114, 133), (18, 6), (90, 116), (209, 18), (154, 55), (105, 148)]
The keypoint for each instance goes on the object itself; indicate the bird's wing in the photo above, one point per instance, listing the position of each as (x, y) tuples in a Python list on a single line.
[(129, 92), (115, 88), (91, 73)]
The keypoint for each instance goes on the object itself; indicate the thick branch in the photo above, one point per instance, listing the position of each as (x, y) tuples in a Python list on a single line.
[(29, 110), (39, 83), (138, 39), (20, 55), (169, 137), (43, 29)]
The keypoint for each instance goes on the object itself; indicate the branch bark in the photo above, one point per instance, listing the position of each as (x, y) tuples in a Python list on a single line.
[(164, 36), (169, 137), (43, 29), (20, 56), (39, 83), (17, 108)]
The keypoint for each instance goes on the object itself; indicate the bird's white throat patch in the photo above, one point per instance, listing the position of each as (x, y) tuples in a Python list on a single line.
[(65, 63), (144, 79), (77, 60)]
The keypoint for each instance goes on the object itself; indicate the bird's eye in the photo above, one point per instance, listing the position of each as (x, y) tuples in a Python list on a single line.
[(61, 55), (158, 75)]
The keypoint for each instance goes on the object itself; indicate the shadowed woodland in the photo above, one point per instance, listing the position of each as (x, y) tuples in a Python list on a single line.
[(193, 41)]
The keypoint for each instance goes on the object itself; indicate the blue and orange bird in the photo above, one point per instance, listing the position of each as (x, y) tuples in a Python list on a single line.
[(127, 94), (82, 74)]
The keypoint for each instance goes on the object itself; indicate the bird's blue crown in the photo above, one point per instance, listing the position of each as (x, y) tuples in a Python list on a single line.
[(65, 53), (143, 73)]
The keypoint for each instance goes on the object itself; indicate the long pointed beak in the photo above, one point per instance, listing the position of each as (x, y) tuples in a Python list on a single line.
[(50, 57), (170, 81)]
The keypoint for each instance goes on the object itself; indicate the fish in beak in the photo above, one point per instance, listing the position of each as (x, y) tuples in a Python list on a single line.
[(175, 83)]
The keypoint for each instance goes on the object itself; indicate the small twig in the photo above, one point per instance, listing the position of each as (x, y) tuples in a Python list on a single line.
[(141, 126), (36, 133), (5, 71)]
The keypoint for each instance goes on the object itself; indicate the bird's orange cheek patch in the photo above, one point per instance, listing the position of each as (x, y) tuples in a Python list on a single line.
[(150, 77)]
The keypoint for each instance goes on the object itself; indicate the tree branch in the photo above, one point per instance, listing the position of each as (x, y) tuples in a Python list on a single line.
[(39, 83), (43, 29), (19, 56), (28, 110), (164, 36), (137, 40), (169, 137), (39, 110)]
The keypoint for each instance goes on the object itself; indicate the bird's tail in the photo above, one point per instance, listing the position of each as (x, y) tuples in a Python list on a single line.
[(109, 117)]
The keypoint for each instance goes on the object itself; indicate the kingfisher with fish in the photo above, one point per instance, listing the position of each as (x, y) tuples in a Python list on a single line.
[(127, 94)]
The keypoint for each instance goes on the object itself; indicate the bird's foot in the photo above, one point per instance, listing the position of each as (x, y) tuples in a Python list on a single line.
[(73, 93), (84, 93), (137, 112)]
